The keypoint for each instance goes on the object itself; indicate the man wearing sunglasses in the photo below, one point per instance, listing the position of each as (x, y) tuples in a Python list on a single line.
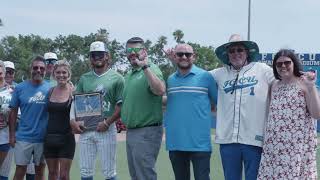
[(141, 111), (50, 59), (102, 140), (243, 93), (190, 95), (30, 97), (10, 72)]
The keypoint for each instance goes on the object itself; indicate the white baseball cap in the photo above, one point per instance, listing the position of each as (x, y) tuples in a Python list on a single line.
[(98, 46), (8, 64), (50, 55)]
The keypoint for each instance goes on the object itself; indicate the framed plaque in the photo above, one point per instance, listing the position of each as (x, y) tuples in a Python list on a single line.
[(88, 109)]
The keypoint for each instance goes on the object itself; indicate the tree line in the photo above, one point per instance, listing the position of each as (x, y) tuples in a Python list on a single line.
[(21, 49)]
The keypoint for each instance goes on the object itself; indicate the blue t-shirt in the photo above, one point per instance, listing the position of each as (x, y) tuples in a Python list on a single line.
[(32, 101), (188, 117)]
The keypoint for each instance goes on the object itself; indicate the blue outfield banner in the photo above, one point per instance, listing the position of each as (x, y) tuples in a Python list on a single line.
[(310, 61)]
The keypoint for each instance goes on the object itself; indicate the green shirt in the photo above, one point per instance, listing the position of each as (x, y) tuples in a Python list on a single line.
[(140, 106), (110, 84)]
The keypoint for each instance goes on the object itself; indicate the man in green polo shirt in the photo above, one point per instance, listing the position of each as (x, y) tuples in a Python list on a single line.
[(141, 111)]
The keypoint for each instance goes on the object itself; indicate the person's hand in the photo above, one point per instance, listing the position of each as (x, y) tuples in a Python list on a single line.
[(309, 78), (77, 127), (170, 53), (12, 141), (142, 59), (3, 123), (102, 127)]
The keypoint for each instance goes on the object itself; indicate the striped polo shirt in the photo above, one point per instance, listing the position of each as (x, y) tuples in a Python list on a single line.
[(188, 115)]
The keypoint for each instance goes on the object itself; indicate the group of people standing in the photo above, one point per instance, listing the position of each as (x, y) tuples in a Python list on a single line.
[(265, 115)]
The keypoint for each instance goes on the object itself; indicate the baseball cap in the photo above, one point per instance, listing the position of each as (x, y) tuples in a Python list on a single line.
[(98, 46), (50, 55), (8, 64)]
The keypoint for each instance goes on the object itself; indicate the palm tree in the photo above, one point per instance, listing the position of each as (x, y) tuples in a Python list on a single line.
[(178, 35)]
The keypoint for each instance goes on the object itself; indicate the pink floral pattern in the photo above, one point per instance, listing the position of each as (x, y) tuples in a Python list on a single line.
[(289, 150)]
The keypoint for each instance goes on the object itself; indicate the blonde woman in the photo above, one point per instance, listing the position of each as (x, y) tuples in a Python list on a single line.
[(59, 143)]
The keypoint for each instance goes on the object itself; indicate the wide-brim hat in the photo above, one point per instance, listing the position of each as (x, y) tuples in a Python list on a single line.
[(252, 47)]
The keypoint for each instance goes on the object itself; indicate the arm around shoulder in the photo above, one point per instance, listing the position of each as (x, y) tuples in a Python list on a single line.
[(312, 100)]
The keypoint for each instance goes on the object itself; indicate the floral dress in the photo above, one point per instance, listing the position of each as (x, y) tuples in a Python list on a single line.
[(289, 150)]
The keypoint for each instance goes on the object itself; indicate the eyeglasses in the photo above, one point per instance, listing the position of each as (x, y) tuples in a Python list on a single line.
[(35, 68), (96, 55), (10, 72), (50, 61), (238, 50), (286, 63), (181, 54), (134, 50)]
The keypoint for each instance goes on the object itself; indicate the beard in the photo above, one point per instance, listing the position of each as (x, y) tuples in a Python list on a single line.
[(37, 76)]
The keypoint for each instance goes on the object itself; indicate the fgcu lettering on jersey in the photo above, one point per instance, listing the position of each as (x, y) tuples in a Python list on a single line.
[(37, 98), (243, 82), (5, 97)]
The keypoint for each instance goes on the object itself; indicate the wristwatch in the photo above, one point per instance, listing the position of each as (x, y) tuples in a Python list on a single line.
[(145, 67)]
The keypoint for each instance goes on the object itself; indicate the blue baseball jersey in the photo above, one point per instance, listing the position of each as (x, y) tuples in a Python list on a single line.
[(32, 101), (188, 116)]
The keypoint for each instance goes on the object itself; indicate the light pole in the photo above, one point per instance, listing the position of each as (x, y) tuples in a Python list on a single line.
[(249, 19)]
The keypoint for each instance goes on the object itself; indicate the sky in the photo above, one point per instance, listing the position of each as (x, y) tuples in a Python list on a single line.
[(275, 24)]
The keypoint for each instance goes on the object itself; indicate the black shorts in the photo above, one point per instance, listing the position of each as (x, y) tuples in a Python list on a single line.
[(65, 151)]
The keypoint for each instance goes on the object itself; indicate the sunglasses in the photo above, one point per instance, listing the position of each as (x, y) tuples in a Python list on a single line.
[(97, 55), (181, 54), (10, 72), (286, 63), (35, 68), (134, 50), (50, 61), (238, 50)]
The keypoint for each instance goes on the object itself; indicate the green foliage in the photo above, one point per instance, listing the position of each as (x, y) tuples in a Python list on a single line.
[(22, 48)]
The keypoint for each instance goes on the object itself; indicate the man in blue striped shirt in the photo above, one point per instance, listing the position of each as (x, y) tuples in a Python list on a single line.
[(191, 93)]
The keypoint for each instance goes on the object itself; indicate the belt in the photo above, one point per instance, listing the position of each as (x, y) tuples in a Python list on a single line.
[(154, 124), (149, 125)]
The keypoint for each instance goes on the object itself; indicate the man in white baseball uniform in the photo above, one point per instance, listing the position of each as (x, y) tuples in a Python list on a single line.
[(243, 95), (101, 141)]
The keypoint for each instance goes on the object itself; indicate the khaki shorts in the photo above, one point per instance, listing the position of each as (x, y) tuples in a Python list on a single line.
[(24, 151)]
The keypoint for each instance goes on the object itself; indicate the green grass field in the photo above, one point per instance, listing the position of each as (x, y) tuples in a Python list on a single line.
[(163, 165)]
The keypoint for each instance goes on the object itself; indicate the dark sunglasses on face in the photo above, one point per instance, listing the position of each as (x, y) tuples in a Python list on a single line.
[(286, 63), (50, 61), (181, 54), (134, 50), (10, 72), (97, 55), (238, 50), (35, 68)]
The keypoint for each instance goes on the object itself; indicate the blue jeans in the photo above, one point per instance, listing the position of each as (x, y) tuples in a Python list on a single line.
[(3, 178), (233, 156), (180, 161)]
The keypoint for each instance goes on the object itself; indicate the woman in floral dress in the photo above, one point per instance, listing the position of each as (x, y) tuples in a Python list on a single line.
[(289, 150)]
